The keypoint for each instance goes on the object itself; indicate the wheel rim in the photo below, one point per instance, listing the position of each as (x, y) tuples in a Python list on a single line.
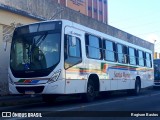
[(91, 90)]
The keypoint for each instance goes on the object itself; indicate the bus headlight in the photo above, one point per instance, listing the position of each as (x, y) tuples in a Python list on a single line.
[(55, 76)]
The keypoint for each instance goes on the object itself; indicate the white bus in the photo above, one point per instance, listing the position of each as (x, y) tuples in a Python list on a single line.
[(61, 57)]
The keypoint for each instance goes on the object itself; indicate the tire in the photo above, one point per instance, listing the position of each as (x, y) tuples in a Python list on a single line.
[(91, 93), (49, 99), (137, 88)]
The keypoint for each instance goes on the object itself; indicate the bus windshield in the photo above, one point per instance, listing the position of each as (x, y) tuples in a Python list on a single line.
[(35, 51)]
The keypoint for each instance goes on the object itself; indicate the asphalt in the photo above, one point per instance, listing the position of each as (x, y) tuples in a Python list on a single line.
[(12, 100)]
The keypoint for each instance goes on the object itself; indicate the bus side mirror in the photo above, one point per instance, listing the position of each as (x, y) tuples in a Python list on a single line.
[(5, 45)]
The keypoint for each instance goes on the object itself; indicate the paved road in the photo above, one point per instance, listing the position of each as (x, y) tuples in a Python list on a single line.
[(116, 105)]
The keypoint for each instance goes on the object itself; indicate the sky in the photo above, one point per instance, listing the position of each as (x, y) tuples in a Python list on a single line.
[(137, 17)]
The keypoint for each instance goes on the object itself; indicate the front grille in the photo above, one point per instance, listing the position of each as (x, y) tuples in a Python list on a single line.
[(36, 89), (157, 83)]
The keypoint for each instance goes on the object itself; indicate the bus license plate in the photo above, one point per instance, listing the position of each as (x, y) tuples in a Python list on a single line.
[(29, 92)]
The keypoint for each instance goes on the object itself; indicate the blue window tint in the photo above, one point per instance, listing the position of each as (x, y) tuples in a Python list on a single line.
[(132, 56), (93, 47), (109, 51)]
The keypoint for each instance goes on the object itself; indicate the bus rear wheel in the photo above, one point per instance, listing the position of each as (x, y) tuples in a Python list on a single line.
[(91, 93), (137, 89)]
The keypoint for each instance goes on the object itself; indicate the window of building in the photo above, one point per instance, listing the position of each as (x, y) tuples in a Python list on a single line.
[(140, 58), (93, 47), (105, 2), (148, 60), (100, 12), (95, 10), (122, 53), (109, 50), (72, 51), (132, 56), (89, 8)]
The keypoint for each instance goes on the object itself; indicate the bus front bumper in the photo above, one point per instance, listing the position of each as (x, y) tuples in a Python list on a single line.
[(156, 83), (48, 88)]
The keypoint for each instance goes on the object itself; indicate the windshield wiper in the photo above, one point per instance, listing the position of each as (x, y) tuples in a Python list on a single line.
[(41, 39), (38, 41)]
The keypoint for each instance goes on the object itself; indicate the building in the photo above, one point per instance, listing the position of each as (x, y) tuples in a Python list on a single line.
[(96, 9)]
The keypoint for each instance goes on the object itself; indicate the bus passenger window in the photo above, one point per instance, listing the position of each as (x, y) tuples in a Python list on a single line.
[(122, 53), (148, 60), (140, 58), (109, 50), (72, 51), (93, 47), (132, 56)]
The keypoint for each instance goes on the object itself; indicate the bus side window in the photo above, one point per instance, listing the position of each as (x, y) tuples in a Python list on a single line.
[(109, 50), (122, 53), (148, 60), (72, 51), (141, 58), (125, 54), (132, 55), (93, 47)]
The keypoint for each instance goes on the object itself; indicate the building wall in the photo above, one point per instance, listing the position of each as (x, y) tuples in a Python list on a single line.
[(90, 14), (93, 8), (96, 9), (101, 12), (7, 22), (63, 2), (3, 66), (7, 18), (79, 6), (105, 11)]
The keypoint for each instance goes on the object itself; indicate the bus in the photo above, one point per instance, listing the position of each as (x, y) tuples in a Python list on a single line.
[(156, 73), (61, 57)]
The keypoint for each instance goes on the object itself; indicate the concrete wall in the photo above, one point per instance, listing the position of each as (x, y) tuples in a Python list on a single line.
[(3, 65), (7, 20)]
